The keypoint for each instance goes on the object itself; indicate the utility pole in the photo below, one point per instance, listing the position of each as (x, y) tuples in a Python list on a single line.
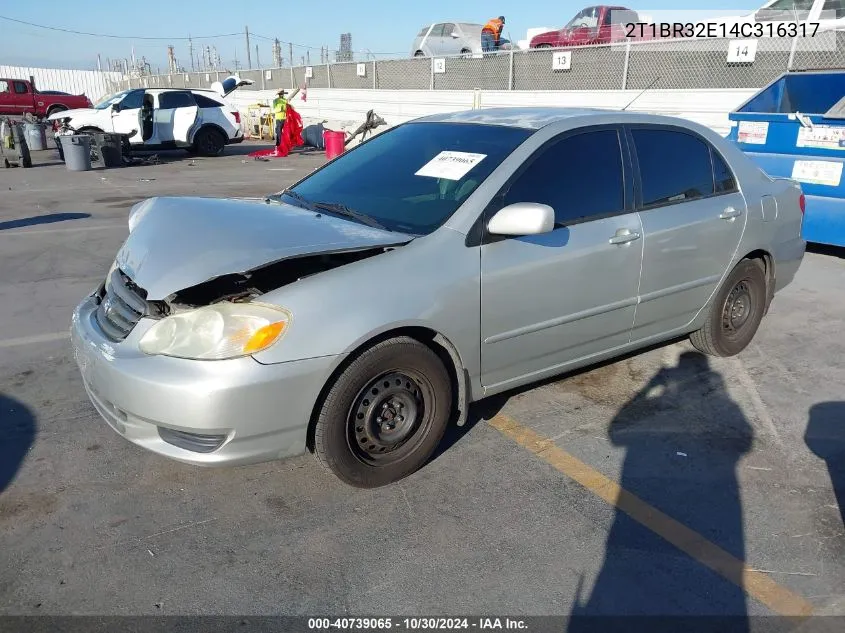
[(277, 53), (257, 60), (291, 53), (308, 57), (191, 52), (248, 54)]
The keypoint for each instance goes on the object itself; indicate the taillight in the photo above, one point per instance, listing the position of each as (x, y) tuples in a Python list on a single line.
[(802, 202), (237, 116)]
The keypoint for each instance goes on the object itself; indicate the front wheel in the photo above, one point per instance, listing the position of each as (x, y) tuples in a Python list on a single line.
[(209, 142), (736, 311), (385, 414)]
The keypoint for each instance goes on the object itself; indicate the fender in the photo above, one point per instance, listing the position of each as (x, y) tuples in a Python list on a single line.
[(206, 126)]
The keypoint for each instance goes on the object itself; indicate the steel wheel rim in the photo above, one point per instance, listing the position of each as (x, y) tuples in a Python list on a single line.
[(738, 309), (389, 417)]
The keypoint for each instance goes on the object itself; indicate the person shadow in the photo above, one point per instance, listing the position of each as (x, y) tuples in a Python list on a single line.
[(684, 437), (17, 434), (825, 436)]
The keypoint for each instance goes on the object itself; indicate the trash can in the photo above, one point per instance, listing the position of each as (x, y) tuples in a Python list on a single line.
[(77, 152), (795, 128), (36, 136), (109, 150), (335, 143)]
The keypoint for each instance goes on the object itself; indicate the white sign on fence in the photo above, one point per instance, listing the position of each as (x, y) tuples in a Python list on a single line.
[(562, 60), (268, 74), (309, 72), (362, 70), (207, 77), (440, 65), (742, 51)]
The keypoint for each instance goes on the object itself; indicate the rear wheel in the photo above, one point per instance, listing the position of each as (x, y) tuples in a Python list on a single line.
[(736, 311), (209, 142), (465, 52), (385, 414), (419, 54), (55, 108)]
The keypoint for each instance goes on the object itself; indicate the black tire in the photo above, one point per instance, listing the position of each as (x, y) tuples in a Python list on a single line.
[(543, 46), (361, 434), (736, 311), (209, 142), (466, 53), (419, 54), (55, 108)]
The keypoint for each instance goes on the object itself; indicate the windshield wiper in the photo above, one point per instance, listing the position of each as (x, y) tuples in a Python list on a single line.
[(277, 197), (342, 209)]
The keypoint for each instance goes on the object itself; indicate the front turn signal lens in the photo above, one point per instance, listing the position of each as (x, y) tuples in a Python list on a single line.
[(264, 337)]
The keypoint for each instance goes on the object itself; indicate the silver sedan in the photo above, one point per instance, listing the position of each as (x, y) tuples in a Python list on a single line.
[(359, 312)]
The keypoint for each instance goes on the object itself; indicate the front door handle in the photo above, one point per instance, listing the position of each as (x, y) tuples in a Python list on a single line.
[(730, 213), (624, 236)]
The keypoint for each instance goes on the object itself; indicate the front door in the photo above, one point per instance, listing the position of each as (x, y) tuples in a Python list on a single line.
[(552, 300), (24, 99), (127, 117), (175, 116), (693, 218)]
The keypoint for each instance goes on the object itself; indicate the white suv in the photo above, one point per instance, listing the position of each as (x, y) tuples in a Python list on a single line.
[(197, 120)]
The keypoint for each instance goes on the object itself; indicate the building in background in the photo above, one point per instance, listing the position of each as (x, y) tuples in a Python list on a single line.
[(345, 52)]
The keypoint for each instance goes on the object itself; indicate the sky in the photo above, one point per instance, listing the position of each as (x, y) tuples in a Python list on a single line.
[(384, 28)]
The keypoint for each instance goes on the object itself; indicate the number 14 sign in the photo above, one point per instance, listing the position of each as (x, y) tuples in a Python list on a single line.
[(562, 60)]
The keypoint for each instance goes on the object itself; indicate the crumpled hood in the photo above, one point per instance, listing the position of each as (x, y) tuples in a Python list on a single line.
[(69, 114), (177, 243)]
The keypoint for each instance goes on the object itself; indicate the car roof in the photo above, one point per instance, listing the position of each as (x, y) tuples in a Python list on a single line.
[(535, 118)]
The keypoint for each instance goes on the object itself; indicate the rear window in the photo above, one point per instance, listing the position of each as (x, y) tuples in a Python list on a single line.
[(423, 31), (415, 176), (674, 166), (206, 102), (20, 88)]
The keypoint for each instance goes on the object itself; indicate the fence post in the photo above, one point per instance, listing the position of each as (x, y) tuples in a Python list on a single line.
[(625, 67), (329, 74), (791, 59), (431, 69), (292, 84), (375, 80), (510, 71)]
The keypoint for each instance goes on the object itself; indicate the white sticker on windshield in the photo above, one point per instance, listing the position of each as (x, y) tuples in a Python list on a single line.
[(451, 165)]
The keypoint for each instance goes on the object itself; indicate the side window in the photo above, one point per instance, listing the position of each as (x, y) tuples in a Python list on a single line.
[(448, 29), (833, 9), (423, 31), (205, 102), (133, 100), (580, 177), (674, 166), (170, 100), (722, 174), (437, 31), (4, 86), (20, 88)]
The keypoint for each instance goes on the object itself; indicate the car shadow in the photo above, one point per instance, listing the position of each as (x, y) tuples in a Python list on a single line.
[(825, 249), (17, 434), (825, 436), (48, 218)]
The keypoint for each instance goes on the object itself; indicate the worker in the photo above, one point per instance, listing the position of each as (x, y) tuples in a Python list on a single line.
[(491, 34), (280, 107)]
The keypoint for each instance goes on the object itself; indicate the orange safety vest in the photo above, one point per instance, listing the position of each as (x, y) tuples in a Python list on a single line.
[(494, 26)]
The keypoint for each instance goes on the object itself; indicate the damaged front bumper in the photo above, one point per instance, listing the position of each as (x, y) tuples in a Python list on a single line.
[(200, 412)]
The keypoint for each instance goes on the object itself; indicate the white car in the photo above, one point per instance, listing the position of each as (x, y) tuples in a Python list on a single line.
[(197, 120), (829, 14)]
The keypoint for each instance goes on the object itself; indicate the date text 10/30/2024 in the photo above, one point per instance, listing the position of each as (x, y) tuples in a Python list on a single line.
[(415, 624), (713, 30)]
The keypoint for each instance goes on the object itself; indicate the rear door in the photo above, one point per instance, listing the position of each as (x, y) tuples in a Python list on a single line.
[(548, 301), (435, 41), (175, 116), (693, 217)]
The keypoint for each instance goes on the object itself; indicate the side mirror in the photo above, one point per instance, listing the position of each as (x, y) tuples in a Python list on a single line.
[(115, 107), (455, 34), (523, 218)]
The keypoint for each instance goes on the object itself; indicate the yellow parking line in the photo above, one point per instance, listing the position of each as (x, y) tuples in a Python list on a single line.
[(756, 584)]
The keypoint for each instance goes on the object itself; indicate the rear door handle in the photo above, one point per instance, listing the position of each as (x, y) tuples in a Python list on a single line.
[(730, 213), (624, 236)]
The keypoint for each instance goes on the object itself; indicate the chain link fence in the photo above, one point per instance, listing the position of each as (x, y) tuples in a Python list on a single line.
[(684, 64)]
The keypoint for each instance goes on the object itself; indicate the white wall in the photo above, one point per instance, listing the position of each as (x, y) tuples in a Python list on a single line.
[(343, 108), (92, 83)]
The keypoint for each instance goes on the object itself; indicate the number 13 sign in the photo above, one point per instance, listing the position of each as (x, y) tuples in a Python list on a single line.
[(562, 60)]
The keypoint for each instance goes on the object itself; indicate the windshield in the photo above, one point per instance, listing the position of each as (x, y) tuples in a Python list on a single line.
[(588, 18), (108, 101), (411, 178)]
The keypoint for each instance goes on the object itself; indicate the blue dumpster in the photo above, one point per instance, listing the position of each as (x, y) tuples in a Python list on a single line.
[(795, 128)]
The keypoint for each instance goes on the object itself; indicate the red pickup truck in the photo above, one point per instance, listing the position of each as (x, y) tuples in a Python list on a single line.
[(594, 25), (19, 96)]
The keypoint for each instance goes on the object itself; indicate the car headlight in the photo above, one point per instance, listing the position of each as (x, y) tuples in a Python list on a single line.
[(216, 332)]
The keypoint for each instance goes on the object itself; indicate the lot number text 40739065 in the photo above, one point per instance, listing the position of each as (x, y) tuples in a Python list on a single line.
[(415, 624)]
